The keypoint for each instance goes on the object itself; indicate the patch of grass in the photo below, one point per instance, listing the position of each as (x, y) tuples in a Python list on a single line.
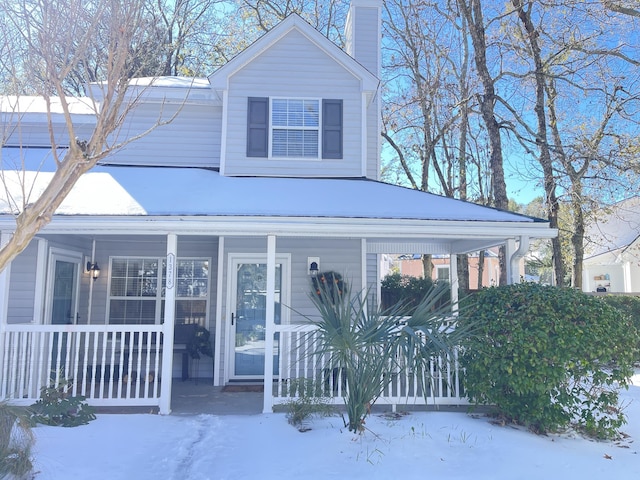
[(308, 404)]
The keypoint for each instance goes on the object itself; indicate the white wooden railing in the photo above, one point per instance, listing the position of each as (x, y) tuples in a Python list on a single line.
[(108, 364), (296, 363)]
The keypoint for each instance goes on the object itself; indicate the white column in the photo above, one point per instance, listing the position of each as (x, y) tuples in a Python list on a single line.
[(40, 287), (626, 268), (455, 281), (217, 350), (270, 325), (510, 248), (168, 326)]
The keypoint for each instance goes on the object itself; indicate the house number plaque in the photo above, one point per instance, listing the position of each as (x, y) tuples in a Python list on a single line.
[(171, 269)]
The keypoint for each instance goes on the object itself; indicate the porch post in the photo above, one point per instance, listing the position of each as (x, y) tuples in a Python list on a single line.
[(626, 269), (270, 325), (455, 282), (168, 326), (217, 350), (4, 283)]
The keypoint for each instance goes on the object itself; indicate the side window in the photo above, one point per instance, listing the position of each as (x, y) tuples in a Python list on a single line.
[(295, 128)]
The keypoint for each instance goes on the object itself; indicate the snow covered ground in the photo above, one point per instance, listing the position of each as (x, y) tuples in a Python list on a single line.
[(436, 445)]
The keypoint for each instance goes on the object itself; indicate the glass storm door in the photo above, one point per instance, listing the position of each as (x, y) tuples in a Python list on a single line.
[(248, 318), (63, 303), (64, 271)]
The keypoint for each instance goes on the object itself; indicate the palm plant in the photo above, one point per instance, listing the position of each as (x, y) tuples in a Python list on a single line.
[(371, 346)]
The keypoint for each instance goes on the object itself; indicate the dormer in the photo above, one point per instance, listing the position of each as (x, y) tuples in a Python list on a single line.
[(296, 105)]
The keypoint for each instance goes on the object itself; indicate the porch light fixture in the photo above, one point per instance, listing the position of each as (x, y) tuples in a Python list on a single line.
[(94, 270), (314, 265)]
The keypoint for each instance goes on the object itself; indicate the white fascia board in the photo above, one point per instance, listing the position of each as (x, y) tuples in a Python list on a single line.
[(292, 226), (219, 79)]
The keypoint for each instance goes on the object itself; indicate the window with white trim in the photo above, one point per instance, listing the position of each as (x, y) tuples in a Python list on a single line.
[(137, 288), (442, 273), (295, 127)]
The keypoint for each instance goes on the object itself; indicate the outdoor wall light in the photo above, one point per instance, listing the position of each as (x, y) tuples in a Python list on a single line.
[(314, 265), (94, 270)]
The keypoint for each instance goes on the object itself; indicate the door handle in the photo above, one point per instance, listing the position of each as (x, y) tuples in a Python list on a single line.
[(232, 318)]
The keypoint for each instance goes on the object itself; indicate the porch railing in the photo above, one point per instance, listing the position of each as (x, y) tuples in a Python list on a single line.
[(108, 364), (299, 368)]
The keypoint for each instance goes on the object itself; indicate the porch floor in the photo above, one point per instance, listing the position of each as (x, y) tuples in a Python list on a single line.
[(192, 398)]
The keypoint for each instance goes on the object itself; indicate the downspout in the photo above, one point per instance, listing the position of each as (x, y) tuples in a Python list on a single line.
[(515, 258)]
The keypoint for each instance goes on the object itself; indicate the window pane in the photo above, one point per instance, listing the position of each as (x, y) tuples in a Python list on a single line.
[(294, 143), (311, 113), (310, 143), (295, 113), (279, 144), (279, 113), (191, 311), (132, 312)]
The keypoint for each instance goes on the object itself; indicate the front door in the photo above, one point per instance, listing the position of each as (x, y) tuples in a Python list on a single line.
[(248, 315), (63, 281), (63, 303)]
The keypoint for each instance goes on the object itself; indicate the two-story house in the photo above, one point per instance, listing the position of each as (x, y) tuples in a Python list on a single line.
[(267, 174)]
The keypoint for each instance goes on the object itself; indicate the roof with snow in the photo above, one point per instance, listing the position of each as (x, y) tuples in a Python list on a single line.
[(126, 199)]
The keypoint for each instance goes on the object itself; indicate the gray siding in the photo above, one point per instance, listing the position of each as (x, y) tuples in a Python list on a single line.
[(373, 277), (22, 286), (191, 138), (32, 129), (294, 68), (366, 37)]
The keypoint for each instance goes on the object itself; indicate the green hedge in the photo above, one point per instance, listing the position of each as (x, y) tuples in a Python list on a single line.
[(405, 290), (546, 357), (629, 306)]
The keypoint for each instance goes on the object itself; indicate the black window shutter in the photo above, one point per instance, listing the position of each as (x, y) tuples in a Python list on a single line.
[(257, 127), (331, 128)]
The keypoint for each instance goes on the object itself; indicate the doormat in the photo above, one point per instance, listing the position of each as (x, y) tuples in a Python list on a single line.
[(243, 388)]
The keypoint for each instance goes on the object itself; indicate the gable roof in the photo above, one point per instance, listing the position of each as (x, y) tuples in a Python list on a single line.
[(219, 78), (615, 228)]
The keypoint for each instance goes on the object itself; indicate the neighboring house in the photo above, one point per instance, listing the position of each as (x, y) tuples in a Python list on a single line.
[(268, 172), (412, 265), (612, 249)]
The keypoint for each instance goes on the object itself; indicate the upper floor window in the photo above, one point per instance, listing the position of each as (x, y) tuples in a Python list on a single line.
[(294, 128)]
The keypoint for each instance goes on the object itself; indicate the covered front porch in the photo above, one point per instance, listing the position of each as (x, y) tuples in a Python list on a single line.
[(234, 267), (116, 339)]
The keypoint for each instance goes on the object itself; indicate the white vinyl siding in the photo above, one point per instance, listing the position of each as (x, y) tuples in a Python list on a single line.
[(294, 68)]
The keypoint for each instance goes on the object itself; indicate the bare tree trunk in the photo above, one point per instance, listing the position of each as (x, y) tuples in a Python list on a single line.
[(427, 266), (472, 11), (553, 207), (480, 269)]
